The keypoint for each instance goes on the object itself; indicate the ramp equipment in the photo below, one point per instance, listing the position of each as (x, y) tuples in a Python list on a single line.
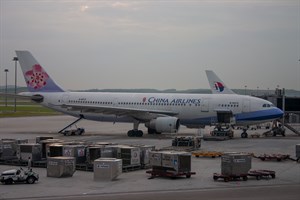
[(77, 120), (211, 154)]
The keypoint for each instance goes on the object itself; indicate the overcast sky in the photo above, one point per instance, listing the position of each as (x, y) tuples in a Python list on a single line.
[(155, 44)]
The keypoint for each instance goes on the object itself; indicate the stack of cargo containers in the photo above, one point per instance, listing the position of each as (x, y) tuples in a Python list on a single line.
[(107, 169), (61, 167), (29, 151), (235, 164)]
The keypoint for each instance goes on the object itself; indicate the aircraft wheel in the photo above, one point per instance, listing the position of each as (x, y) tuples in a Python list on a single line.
[(130, 133), (139, 133), (244, 135)]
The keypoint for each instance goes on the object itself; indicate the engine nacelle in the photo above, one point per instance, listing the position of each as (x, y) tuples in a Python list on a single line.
[(164, 124)]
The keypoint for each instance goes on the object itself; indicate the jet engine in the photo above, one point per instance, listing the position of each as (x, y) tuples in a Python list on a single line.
[(164, 124)]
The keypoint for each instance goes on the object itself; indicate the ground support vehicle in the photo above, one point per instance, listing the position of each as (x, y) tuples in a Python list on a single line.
[(165, 172), (211, 154), (258, 174), (278, 157), (19, 176), (78, 131), (231, 177)]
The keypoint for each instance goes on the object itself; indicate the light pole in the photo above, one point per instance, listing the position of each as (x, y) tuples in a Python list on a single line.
[(16, 60), (6, 70)]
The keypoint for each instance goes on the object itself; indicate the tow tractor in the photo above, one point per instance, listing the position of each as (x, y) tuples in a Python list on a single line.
[(19, 176)]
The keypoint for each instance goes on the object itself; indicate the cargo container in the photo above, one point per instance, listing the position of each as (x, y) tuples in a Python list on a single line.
[(130, 155), (55, 150), (177, 161), (38, 139), (144, 154), (32, 151), (61, 167), (45, 146), (77, 151), (95, 152), (8, 149), (170, 164), (155, 158), (235, 164), (107, 169)]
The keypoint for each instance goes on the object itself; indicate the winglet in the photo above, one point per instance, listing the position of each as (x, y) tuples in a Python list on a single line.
[(36, 77), (217, 86)]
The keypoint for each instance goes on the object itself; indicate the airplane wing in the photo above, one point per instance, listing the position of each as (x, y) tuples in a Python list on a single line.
[(217, 86), (141, 114)]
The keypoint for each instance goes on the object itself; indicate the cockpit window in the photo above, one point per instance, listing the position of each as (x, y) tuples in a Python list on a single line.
[(268, 105)]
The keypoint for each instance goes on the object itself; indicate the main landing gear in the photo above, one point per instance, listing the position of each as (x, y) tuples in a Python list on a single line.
[(244, 134), (135, 132)]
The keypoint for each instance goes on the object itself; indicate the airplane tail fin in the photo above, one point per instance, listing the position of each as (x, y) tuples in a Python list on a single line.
[(36, 77), (217, 86)]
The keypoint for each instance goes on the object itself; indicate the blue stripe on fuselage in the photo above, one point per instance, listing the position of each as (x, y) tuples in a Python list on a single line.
[(262, 115)]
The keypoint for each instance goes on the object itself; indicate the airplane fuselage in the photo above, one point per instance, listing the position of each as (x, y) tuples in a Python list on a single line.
[(193, 110)]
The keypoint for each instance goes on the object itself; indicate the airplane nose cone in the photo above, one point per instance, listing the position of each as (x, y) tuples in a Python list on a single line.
[(279, 112)]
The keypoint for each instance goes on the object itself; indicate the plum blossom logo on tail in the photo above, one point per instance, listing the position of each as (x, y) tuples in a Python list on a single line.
[(219, 86), (37, 77)]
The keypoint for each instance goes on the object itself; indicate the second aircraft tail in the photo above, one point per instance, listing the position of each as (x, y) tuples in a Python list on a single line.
[(217, 86)]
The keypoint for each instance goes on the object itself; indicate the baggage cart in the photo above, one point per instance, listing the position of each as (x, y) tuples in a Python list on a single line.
[(278, 157), (231, 177), (165, 172), (258, 174)]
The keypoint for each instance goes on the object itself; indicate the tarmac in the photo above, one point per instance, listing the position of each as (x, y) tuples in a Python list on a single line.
[(136, 185)]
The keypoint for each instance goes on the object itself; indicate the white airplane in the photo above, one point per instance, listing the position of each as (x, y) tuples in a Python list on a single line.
[(159, 112)]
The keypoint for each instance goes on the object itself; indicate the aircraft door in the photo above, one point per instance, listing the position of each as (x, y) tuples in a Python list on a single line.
[(246, 105), (205, 105), (65, 98)]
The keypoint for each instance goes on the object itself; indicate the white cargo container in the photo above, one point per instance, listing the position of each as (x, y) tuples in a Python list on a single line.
[(61, 167), (130, 156), (235, 164), (144, 154), (95, 152), (107, 169), (155, 158), (177, 161)]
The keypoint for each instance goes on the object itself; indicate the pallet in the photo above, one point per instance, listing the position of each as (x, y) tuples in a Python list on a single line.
[(227, 178), (211, 154), (172, 174), (258, 174), (278, 157)]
